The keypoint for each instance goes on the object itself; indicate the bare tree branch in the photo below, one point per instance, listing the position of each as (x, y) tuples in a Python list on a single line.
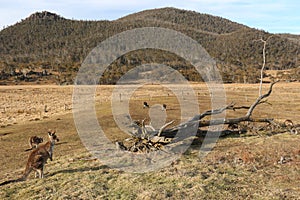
[(163, 127), (258, 100), (264, 63)]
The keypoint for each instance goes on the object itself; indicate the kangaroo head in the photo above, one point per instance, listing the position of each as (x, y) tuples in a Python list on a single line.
[(39, 139), (52, 137)]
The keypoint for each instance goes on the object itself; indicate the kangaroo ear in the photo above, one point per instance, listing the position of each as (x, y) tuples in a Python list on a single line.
[(50, 133)]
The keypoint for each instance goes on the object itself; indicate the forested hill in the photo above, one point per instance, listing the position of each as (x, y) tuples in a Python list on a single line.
[(48, 48)]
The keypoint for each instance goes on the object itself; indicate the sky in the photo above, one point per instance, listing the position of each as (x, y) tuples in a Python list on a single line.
[(274, 16)]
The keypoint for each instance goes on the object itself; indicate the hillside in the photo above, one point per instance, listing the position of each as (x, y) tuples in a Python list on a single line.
[(47, 48)]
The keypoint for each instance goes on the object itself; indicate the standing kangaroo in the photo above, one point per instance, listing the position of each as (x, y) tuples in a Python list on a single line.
[(38, 158)]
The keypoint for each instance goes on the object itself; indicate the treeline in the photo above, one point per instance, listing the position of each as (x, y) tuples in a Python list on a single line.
[(46, 41)]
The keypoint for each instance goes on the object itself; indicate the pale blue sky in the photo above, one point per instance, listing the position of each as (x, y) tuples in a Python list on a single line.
[(275, 16)]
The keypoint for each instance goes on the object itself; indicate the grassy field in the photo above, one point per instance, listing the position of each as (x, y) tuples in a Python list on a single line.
[(239, 167)]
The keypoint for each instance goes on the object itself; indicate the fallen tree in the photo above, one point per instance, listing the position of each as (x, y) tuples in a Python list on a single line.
[(145, 138)]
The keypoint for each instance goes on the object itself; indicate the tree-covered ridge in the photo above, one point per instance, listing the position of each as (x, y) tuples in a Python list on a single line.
[(190, 19), (47, 41)]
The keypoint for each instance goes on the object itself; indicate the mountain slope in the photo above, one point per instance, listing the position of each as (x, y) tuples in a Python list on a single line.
[(46, 41)]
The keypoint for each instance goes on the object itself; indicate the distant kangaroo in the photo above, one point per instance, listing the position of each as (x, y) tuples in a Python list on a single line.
[(34, 141), (146, 105), (38, 158), (288, 123)]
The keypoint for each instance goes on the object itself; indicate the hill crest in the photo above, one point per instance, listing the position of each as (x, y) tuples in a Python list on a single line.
[(189, 18), (44, 15)]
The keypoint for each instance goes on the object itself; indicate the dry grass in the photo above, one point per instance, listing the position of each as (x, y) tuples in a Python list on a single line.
[(239, 167)]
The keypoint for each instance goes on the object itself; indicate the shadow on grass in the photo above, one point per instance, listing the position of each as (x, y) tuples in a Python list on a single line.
[(6, 133), (201, 134), (60, 143), (82, 169)]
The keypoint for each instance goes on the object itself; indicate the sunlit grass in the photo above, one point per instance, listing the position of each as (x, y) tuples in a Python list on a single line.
[(239, 167)]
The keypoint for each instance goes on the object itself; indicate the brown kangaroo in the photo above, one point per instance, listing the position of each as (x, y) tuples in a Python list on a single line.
[(38, 158)]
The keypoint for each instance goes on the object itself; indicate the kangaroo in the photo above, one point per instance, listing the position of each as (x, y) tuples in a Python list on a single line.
[(288, 123), (146, 105), (34, 141), (40, 155), (38, 158)]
